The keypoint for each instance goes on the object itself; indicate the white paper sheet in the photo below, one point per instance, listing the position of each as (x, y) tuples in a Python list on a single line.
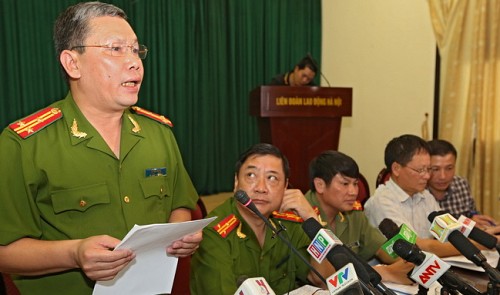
[(462, 262), (152, 271)]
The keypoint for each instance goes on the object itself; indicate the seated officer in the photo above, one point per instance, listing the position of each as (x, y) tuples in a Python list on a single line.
[(334, 189), (238, 244)]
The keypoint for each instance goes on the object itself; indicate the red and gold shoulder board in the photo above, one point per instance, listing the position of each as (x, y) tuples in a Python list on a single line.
[(288, 215), (357, 206), (36, 122), (226, 225), (160, 118)]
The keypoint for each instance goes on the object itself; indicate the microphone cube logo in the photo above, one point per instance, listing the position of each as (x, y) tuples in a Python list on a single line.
[(405, 233), (429, 271), (321, 245), (408, 234), (443, 225), (342, 279)]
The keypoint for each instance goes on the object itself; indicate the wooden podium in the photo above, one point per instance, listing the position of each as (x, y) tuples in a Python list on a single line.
[(301, 121)]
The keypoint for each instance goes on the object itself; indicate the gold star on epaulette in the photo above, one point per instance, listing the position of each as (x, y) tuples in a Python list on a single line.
[(36, 122)]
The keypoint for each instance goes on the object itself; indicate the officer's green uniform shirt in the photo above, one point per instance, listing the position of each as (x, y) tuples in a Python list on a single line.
[(58, 184), (353, 229), (220, 262)]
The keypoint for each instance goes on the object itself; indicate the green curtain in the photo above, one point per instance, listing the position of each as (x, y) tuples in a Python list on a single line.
[(205, 57)]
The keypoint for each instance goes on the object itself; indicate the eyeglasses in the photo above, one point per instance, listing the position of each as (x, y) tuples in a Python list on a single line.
[(421, 171), (118, 50)]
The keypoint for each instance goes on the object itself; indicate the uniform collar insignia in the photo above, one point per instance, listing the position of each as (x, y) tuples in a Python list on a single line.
[(75, 132), (239, 233), (136, 128)]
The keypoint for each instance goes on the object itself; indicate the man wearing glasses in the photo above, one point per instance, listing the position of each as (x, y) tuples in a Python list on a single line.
[(77, 175), (404, 198)]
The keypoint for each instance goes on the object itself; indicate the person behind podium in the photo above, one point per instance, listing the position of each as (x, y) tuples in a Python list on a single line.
[(334, 189), (302, 74), (77, 175), (238, 244)]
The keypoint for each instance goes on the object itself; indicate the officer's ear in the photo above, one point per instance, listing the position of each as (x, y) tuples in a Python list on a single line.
[(319, 185), (70, 62)]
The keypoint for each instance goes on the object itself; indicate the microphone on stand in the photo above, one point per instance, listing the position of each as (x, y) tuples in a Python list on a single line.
[(311, 227), (245, 200), (470, 230), (446, 228), (319, 69), (345, 281), (429, 268), (393, 232), (320, 247)]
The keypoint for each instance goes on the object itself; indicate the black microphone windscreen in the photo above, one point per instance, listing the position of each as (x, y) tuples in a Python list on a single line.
[(242, 197), (311, 227), (483, 238), (408, 251), (339, 260), (388, 228), (464, 246)]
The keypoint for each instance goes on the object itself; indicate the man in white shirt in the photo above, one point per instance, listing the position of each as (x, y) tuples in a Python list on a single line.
[(404, 198)]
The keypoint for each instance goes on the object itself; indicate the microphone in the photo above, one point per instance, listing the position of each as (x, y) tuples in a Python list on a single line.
[(322, 243), (470, 230), (244, 199), (311, 227), (444, 229), (442, 225), (319, 70), (254, 286), (429, 268), (393, 233), (345, 281)]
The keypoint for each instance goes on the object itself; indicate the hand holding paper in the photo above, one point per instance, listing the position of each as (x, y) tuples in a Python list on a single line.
[(152, 271)]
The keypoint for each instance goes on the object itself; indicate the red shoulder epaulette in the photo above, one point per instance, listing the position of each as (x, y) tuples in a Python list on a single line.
[(288, 215), (36, 122), (160, 118), (226, 225), (357, 206)]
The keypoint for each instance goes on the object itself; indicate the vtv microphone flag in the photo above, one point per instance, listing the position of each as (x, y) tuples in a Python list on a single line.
[(344, 281)]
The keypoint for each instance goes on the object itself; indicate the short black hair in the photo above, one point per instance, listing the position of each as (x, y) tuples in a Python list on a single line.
[(402, 149), (309, 62), (263, 149), (330, 163), (441, 147)]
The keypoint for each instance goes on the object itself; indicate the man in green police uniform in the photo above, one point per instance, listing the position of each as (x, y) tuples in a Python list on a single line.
[(334, 189), (238, 245), (78, 175)]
